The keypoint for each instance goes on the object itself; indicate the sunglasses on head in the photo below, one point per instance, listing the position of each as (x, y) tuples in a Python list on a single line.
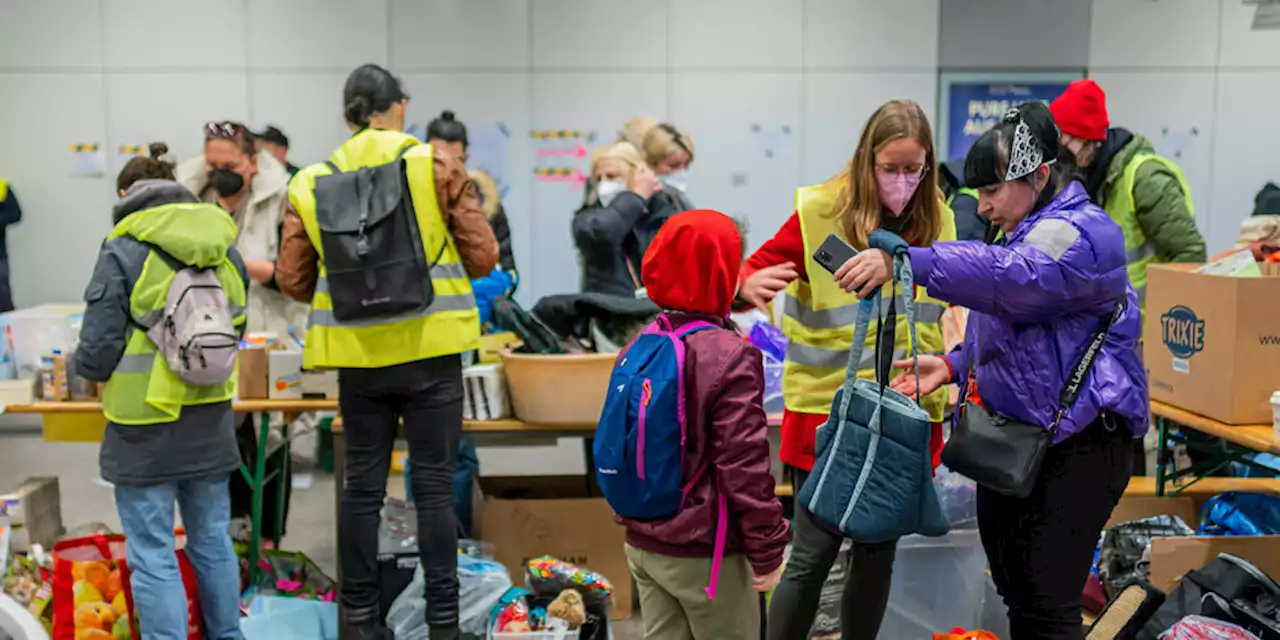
[(223, 130)]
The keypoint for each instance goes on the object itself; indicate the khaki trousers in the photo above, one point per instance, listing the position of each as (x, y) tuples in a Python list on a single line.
[(674, 603)]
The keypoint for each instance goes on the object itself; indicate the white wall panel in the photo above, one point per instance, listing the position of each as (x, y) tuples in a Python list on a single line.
[(870, 34), (1245, 133), (429, 34), (598, 103), (718, 33), (53, 250), (599, 34), (1142, 33), (1241, 45), (1175, 111), (306, 105), (136, 114), (837, 106), (50, 33), (317, 34), (739, 170), (169, 33)]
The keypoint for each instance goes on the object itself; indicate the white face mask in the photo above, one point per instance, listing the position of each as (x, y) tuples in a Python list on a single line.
[(678, 180), (608, 190)]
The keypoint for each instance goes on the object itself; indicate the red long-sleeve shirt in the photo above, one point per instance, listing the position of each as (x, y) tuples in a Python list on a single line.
[(799, 430)]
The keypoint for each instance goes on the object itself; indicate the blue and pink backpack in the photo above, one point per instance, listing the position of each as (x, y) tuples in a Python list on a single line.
[(639, 442)]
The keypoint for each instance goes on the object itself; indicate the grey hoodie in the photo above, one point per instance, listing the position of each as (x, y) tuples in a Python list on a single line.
[(202, 441)]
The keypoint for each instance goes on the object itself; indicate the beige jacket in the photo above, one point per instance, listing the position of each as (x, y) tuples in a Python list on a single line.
[(258, 217)]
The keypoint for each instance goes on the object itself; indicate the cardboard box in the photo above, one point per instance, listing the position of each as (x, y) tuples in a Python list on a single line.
[(284, 374), (1211, 342), (579, 529), (33, 512), (288, 380), (253, 373), (1139, 507), (1172, 558)]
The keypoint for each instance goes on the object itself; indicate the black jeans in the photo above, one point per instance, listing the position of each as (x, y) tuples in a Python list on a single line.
[(427, 395), (1040, 547), (814, 550)]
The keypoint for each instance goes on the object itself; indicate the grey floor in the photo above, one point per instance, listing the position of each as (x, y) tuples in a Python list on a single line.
[(85, 499)]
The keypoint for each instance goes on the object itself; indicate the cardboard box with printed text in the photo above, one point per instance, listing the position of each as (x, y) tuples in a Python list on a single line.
[(1212, 343), (553, 516)]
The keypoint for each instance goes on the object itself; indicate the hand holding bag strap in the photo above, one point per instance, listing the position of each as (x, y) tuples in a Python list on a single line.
[(902, 268)]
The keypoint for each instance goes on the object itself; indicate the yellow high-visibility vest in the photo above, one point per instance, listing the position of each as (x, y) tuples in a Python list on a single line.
[(819, 317), (142, 389), (1139, 251), (449, 325)]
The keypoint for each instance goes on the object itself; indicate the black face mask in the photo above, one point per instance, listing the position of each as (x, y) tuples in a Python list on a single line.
[(226, 182)]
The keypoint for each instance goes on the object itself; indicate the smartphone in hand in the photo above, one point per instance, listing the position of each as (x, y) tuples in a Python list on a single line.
[(833, 253)]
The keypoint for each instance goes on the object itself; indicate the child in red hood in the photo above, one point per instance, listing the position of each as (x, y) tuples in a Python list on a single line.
[(691, 272)]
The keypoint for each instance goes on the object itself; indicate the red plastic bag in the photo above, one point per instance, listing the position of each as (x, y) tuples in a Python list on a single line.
[(961, 634), (91, 596)]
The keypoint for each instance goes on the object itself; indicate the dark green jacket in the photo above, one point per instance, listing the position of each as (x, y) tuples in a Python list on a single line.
[(1159, 204)]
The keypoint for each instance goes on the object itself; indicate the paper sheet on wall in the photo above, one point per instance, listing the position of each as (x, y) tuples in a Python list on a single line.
[(86, 161), (1177, 142), (487, 144), (127, 152), (773, 140)]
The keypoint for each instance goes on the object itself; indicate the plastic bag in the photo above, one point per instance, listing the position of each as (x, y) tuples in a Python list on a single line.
[(283, 618), (1202, 628), (1123, 553), (481, 584), (1240, 513), (769, 339), (959, 497)]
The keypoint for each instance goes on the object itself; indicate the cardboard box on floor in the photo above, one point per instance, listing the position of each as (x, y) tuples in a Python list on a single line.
[(526, 518), (1212, 342), (1172, 558)]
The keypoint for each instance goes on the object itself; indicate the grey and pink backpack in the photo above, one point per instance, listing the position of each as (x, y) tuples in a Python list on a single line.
[(196, 333)]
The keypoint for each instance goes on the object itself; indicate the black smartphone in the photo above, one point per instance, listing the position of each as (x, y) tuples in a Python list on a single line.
[(833, 253)]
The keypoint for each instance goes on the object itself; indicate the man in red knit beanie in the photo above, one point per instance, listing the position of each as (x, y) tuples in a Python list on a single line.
[(1143, 192)]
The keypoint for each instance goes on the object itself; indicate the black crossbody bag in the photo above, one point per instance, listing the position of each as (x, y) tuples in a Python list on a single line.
[(1002, 454)]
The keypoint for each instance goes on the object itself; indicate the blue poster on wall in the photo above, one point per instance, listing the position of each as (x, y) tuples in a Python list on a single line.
[(975, 107)]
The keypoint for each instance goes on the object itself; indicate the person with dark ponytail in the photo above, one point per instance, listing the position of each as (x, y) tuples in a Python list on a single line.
[(450, 134), (166, 441), (405, 364), (156, 165), (1049, 298)]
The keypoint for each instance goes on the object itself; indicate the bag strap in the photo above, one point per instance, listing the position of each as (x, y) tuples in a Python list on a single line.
[(399, 156), (901, 275), (1080, 372)]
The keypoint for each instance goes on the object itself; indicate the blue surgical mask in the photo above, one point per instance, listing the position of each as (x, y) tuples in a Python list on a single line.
[(678, 180), (608, 190)]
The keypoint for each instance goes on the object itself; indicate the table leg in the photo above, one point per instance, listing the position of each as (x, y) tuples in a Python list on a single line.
[(1163, 454), (339, 487), (283, 486), (258, 485)]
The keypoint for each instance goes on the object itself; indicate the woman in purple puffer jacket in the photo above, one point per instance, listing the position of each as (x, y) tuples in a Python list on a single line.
[(1038, 295)]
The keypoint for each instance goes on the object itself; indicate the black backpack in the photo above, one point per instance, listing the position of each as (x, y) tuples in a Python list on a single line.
[(1230, 589), (373, 251)]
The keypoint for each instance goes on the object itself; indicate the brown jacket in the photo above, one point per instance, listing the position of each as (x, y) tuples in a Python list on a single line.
[(297, 267)]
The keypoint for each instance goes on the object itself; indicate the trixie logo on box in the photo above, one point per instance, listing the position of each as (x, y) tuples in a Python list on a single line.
[(1182, 332)]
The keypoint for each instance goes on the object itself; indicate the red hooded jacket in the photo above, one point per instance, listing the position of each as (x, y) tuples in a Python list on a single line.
[(691, 270)]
